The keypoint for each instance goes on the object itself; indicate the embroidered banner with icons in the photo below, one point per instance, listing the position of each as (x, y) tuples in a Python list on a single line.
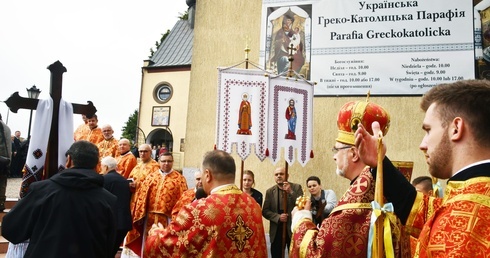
[(242, 111), (265, 114)]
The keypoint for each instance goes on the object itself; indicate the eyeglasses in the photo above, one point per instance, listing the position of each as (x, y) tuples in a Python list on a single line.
[(166, 161), (335, 149)]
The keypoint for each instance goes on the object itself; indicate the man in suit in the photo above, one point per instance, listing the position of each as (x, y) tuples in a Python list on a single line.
[(118, 186), (273, 210), (17, 164), (5, 151)]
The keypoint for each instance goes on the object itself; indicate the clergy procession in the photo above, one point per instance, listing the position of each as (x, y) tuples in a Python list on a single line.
[(91, 209), (309, 154)]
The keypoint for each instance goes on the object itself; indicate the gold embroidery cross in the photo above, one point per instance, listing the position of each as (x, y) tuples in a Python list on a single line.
[(354, 245), (240, 233)]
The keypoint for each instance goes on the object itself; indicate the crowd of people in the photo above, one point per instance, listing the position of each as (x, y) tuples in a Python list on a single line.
[(19, 154), (106, 201)]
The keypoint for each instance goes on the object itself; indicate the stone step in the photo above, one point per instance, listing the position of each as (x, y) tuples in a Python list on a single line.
[(3, 214), (4, 244), (9, 203)]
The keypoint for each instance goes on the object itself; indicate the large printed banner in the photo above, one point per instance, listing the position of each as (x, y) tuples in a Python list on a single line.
[(268, 115), (386, 47)]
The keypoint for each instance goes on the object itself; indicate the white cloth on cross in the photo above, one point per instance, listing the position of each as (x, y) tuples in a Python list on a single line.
[(38, 146)]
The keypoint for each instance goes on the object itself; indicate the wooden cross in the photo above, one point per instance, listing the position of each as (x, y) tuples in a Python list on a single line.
[(14, 102)]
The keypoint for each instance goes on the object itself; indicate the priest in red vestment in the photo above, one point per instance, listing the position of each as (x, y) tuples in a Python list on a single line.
[(456, 145), (94, 134), (108, 146), (227, 223), (187, 196), (126, 161), (154, 200), (82, 129), (345, 233)]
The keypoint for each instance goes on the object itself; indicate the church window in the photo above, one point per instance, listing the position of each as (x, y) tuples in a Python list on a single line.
[(163, 93)]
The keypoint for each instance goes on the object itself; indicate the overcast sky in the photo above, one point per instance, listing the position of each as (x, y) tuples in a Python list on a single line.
[(102, 44)]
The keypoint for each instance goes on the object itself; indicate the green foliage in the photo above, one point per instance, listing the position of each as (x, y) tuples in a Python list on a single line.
[(182, 16), (164, 36), (157, 44), (130, 129)]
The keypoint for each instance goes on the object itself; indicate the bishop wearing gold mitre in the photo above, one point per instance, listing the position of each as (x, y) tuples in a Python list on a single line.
[(346, 231)]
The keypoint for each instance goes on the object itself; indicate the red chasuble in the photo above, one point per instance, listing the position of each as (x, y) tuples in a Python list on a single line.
[(186, 198), (126, 163), (227, 223), (345, 232), (153, 204), (460, 225)]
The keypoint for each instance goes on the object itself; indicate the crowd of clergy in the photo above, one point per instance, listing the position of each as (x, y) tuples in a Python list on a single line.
[(158, 216)]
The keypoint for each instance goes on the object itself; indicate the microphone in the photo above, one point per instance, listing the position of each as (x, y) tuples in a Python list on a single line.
[(200, 193)]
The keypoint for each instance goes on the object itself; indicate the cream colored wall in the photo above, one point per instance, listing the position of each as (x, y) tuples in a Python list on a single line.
[(221, 28), (179, 80)]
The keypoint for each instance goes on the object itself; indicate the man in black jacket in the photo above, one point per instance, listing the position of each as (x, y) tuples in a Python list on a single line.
[(67, 215), (5, 152), (17, 160), (119, 186)]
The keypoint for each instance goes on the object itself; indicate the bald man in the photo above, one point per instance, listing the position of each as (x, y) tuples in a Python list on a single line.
[(146, 165), (187, 196), (274, 212), (126, 161)]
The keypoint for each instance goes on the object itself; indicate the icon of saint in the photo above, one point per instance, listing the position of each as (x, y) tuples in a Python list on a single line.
[(244, 116), (288, 37), (291, 116)]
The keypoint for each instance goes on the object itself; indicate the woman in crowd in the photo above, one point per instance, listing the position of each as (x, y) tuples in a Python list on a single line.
[(322, 201), (248, 183)]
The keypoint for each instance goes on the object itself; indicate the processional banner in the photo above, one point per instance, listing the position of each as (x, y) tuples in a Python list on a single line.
[(270, 114), (242, 111), (290, 120)]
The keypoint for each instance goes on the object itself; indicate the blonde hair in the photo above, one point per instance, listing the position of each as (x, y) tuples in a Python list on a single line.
[(250, 173)]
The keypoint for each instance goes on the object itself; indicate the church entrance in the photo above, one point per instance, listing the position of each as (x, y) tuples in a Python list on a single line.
[(161, 136)]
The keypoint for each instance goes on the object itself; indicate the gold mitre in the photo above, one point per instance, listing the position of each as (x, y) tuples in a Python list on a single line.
[(354, 113)]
